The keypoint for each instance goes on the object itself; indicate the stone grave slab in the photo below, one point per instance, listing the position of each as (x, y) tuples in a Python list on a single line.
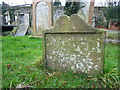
[(73, 45), (22, 30)]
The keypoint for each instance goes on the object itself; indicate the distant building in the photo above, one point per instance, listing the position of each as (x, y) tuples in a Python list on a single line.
[(23, 14), (4, 8), (15, 15)]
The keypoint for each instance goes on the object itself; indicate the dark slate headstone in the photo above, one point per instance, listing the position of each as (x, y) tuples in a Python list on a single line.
[(73, 45)]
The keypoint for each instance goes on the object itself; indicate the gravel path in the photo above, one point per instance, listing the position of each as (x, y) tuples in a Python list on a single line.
[(112, 40)]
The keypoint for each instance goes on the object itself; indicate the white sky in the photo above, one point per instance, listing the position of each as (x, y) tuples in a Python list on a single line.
[(20, 2)]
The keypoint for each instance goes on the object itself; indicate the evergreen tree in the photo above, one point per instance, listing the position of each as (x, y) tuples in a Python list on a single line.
[(67, 8), (57, 3), (73, 7)]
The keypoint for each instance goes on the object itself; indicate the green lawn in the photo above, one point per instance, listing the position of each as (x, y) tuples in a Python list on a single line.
[(22, 63)]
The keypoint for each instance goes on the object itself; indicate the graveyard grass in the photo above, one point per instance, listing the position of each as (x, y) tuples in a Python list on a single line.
[(22, 64)]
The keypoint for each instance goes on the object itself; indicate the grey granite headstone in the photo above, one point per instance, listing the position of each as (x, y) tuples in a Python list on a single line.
[(73, 45), (22, 30), (41, 17)]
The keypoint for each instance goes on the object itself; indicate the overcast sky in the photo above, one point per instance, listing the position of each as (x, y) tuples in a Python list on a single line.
[(20, 2)]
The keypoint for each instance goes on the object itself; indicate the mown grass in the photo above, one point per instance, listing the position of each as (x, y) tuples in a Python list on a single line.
[(22, 63), (0, 62)]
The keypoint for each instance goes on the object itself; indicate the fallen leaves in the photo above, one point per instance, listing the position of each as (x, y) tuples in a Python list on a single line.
[(50, 74), (8, 66), (64, 82), (22, 85)]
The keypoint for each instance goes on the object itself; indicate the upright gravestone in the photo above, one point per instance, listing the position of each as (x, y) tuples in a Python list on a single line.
[(1, 19), (73, 45), (42, 16)]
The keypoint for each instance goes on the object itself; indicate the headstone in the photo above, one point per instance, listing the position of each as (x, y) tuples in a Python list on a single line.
[(1, 19), (22, 30), (73, 45), (42, 16)]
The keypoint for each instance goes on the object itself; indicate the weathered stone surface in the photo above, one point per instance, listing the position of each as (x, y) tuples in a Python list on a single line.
[(42, 16), (72, 24), (22, 30), (73, 45)]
